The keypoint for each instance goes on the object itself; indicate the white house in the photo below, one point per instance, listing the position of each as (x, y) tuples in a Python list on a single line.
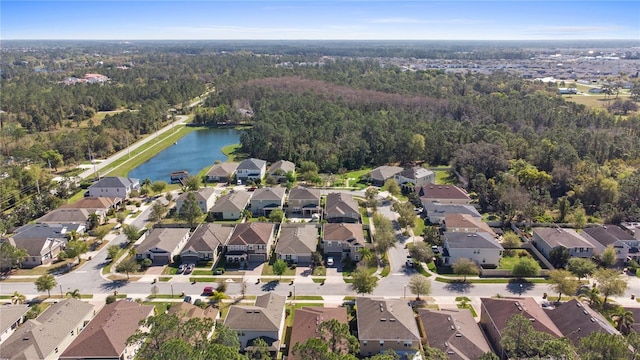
[(414, 177), (251, 169), (11, 316), (480, 247), (206, 198), (114, 186), (545, 239)]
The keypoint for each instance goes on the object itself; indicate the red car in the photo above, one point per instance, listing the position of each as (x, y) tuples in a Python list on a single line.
[(208, 290)]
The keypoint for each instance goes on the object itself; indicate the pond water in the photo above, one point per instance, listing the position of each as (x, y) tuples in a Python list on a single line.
[(191, 153)]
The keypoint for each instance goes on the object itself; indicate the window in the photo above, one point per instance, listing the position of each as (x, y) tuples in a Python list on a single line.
[(328, 243), (407, 344), (381, 343), (339, 244)]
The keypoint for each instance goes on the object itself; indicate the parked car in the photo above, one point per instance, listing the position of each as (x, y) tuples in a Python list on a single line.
[(435, 249), (187, 299), (410, 263), (189, 268), (330, 261), (218, 271), (181, 269), (208, 290)]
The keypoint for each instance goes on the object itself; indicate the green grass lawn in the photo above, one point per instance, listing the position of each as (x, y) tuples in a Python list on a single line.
[(507, 262), (319, 271), (444, 177), (468, 306), (365, 216), (233, 153), (418, 226), (267, 270)]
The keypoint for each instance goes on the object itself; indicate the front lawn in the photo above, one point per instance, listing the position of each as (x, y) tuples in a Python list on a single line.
[(267, 269)]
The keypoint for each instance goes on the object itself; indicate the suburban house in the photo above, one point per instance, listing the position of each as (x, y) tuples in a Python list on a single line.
[(495, 312), (632, 227), (465, 223), (341, 208), (381, 174), (454, 332), (113, 186), (98, 205), (443, 194), (222, 172), (545, 239), (624, 243), (481, 247), (251, 169), (47, 336), (577, 321), (343, 241), (308, 319), (162, 244), (206, 243), (69, 216), (186, 311), (436, 212), (11, 316), (105, 337), (305, 201), (414, 177), (230, 206), (264, 320), (250, 242), (267, 199), (42, 242), (297, 243), (205, 197), (386, 324), (279, 170)]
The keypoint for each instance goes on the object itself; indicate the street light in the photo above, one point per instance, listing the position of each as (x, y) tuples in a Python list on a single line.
[(172, 291), (60, 290), (405, 291)]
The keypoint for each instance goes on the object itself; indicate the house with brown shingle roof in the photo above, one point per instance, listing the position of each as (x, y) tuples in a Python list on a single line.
[(105, 337), (265, 200), (386, 324), (48, 336), (95, 204), (577, 320), (11, 316), (545, 239), (465, 223), (341, 208), (162, 244), (297, 243), (250, 242), (264, 320), (343, 240), (279, 170), (308, 319), (206, 243), (222, 172), (187, 311), (455, 332), (305, 201), (443, 194), (381, 174), (496, 312), (231, 205)]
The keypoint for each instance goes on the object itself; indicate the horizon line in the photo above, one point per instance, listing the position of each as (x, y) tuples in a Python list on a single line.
[(249, 39)]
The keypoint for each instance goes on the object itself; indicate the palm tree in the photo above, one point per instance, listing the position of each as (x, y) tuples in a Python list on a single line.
[(18, 298), (594, 296), (623, 320), (73, 294), (146, 182), (366, 255)]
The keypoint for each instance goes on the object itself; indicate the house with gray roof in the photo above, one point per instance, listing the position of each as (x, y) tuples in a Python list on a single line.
[(206, 243), (222, 172), (341, 208), (305, 201), (414, 177), (381, 174), (105, 337), (250, 242), (385, 324), (437, 212), (454, 332), (206, 198), (231, 205), (545, 239), (264, 320), (343, 240), (162, 244), (266, 199), (481, 247), (297, 243), (625, 244), (279, 170), (42, 242), (47, 336), (69, 216), (114, 186), (577, 320), (443, 194), (11, 316), (251, 169)]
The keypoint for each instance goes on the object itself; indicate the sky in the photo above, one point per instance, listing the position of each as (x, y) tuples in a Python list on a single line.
[(320, 20)]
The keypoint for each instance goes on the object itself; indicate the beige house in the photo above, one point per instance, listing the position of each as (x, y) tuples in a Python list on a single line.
[(11, 316), (305, 201), (206, 243), (47, 336), (230, 206), (69, 216), (267, 199), (222, 173), (381, 174), (545, 239), (455, 332), (385, 324), (297, 243), (105, 337), (250, 242), (443, 194), (205, 197), (42, 242), (162, 244), (466, 223), (343, 241), (264, 320), (279, 170), (341, 208)]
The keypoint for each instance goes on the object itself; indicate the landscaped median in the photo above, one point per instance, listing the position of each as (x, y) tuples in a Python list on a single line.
[(491, 280)]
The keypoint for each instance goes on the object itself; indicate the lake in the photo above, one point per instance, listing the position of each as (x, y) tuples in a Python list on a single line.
[(192, 153)]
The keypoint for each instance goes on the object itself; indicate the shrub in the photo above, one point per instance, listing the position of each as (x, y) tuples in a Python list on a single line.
[(110, 299), (222, 287)]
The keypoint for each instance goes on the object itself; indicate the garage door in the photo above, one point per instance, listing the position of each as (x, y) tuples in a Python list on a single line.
[(160, 260), (257, 258)]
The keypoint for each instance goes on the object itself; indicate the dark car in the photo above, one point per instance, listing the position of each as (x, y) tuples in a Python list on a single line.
[(187, 299)]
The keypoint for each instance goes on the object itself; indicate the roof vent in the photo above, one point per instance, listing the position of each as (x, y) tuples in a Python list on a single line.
[(392, 320), (592, 320), (453, 327), (446, 344), (383, 319), (578, 304), (532, 319), (448, 318), (450, 352), (458, 335), (585, 312)]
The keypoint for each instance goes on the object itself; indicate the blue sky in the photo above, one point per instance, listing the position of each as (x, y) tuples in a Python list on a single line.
[(333, 20)]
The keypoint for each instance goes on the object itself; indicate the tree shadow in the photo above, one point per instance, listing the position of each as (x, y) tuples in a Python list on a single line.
[(459, 286), (101, 265), (270, 286), (114, 285), (519, 287)]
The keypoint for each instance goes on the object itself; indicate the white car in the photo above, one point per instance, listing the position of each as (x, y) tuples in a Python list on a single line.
[(330, 261)]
